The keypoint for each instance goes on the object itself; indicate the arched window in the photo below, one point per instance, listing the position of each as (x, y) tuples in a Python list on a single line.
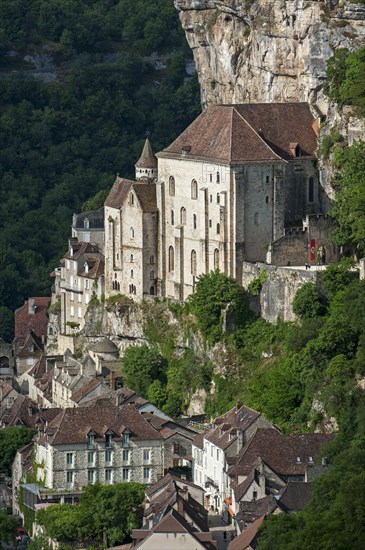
[(172, 186), (152, 260), (132, 233), (131, 200), (194, 189), (210, 178), (218, 228), (193, 262), (216, 258), (194, 221), (152, 290), (152, 274), (218, 178), (118, 286), (256, 218), (171, 259), (183, 216), (172, 218), (132, 273), (131, 258), (311, 189), (218, 198), (113, 285)]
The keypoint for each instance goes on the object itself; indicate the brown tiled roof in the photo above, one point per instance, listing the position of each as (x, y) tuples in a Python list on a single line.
[(247, 537), (37, 322), (198, 441), (295, 496), (252, 510), (118, 192), (239, 416), (85, 390), (146, 194), (73, 424), (96, 268), (80, 248), (147, 158), (22, 345), (239, 134), (280, 451), (164, 481), (5, 389)]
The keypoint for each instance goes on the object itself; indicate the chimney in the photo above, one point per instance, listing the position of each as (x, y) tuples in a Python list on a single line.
[(180, 506), (31, 306)]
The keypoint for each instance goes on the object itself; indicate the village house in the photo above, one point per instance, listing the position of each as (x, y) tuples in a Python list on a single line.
[(88, 227), (82, 276), (215, 449), (100, 444)]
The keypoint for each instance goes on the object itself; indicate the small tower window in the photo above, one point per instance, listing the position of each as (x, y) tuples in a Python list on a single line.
[(152, 260), (152, 274), (218, 177), (194, 189), (218, 198), (131, 199), (172, 218), (131, 258), (172, 186), (132, 273), (267, 200), (210, 178), (194, 221), (132, 233), (183, 216), (218, 228)]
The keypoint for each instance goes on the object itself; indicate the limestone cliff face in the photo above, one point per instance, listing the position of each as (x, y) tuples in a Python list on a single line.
[(267, 50)]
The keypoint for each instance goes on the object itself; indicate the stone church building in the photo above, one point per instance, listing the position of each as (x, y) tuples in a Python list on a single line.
[(227, 188)]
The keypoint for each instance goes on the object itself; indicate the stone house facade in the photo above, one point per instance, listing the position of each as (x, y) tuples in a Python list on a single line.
[(100, 444), (82, 275), (229, 185), (88, 227)]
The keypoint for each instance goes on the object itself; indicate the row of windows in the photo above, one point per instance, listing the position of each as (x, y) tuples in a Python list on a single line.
[(194, 185), (183, 220), (108, 440), (91, 455), (152, 259), (193, 260), (108, 475)]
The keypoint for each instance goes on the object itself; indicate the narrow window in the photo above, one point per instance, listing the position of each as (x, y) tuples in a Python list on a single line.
[(210, 178), (210, 223), (218, 198), (132, 233), (146, 475), (194, 221), (267, 179), (108, 440), (194, 189), (131, 258), (90, 458), (172, 186), (125, 474), (125, 439), (152, 274), (193, 262), (132, 199), (70, 477), (218, 177), (131, 273), (146, 455), (267, 200), (218, 228), (108, 477), (125, 455), (152, 290), (108, 456), (172, 218), (210, 198), (86, 223), (69, 459), (183, 216), (90, 476), (171, 258), (216, 258), (152, 260), (90, 441)]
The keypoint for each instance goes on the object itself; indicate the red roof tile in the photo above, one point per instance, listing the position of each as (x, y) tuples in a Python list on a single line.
[(32, 316)]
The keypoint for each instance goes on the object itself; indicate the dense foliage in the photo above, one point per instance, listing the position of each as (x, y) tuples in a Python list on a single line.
[(8, 528), (105, 513), (12, 439), (141, 366), (62, 142)]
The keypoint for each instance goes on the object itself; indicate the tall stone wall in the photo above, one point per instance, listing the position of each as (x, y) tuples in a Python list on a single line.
[(279, 289)]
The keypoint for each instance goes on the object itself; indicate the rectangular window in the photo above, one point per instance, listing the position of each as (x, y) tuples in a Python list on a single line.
[(71, 296), (79, 312), (90, 458), (86, 284), (108, 440), (108, 476), (69, 459), (72, 311), (175, 463), (125, 474), (176, 448), (125, 439), (125, 455), (146, 455), (79, 298), (90, 476), (108, 456), (90, 441), (69, 477), (146, 475)]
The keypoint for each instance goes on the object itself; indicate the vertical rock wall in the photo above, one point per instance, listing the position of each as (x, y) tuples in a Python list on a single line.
[(267, 50)]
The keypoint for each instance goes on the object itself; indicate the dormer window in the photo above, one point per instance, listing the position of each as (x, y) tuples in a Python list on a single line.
[(86, 223), (71, 251), (86, 267), (90, 440), (108, 440), (295, 149), (298, 461), (125, 439), (310, 459)]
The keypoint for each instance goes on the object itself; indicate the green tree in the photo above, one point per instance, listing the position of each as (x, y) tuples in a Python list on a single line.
[(157, 394), (8, 527), (6, 324), (141, 366), (308, 302), (213, 294), (12, 439)]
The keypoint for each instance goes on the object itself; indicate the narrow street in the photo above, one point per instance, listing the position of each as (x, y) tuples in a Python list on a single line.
[(218, 528)]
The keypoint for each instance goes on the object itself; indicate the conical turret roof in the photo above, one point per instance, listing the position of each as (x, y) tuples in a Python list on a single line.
[(147, 159)]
